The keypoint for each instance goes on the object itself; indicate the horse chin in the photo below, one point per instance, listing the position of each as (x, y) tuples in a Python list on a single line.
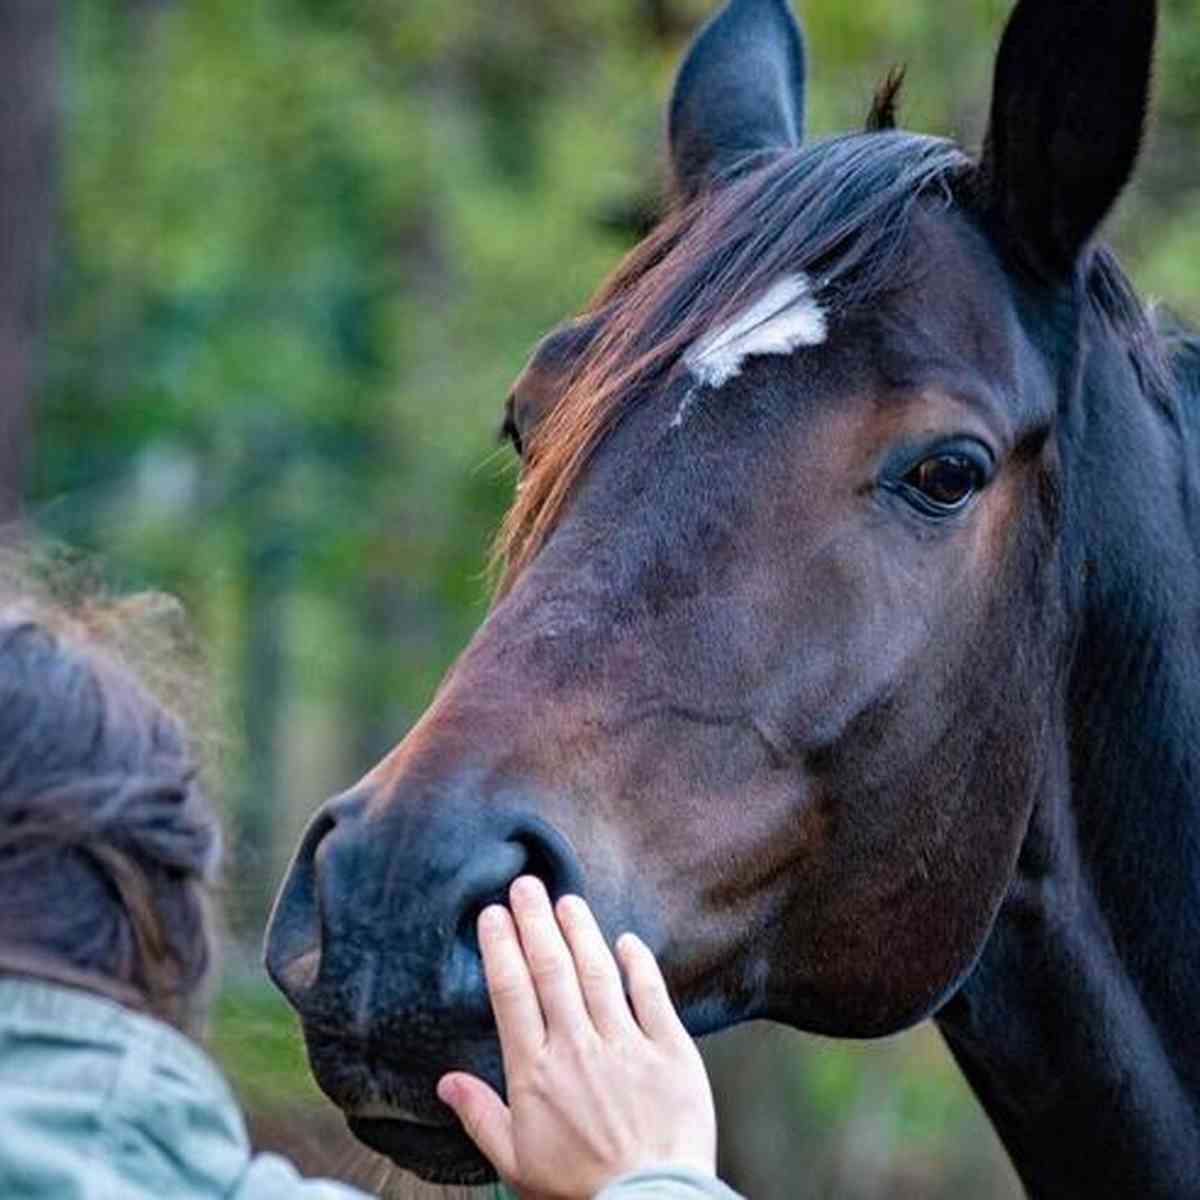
[(441, 1154), (386, 1091)]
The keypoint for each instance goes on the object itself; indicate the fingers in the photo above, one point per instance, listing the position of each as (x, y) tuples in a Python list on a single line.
[(549, 974), (648, 990), (485, 1118), (599, 978), (514, 1001), (548, 958)]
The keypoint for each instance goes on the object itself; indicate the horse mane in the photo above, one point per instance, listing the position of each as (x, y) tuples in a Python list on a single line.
[(1185, 360), (1115, 301), (837, 210), (1182, 353)]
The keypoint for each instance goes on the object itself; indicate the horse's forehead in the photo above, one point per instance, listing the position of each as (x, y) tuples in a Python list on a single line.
[(947, 309), (956, 300)]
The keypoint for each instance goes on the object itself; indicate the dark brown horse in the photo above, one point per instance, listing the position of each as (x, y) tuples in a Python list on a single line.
[(848, 644)]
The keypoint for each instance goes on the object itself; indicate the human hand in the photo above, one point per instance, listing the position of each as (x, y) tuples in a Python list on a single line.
[(595, 1089)]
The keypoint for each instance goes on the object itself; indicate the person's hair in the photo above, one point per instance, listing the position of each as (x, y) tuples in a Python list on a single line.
[(108, 848)]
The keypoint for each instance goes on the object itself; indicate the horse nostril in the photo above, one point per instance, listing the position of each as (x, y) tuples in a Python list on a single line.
[(338, 914), (532, 848), (486, 882), (293, 941), (549, 857)]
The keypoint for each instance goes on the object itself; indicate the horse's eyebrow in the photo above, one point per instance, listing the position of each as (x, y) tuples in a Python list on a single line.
[(964, 385), (911, 365)]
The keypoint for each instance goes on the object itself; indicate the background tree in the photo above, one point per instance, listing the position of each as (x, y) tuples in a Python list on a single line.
[(28, 109)]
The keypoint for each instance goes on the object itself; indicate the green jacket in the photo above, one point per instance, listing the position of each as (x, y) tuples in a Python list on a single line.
[(101, 1103)]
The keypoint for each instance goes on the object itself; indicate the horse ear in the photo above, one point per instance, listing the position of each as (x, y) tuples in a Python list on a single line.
[(740, 90), (1068, 112)]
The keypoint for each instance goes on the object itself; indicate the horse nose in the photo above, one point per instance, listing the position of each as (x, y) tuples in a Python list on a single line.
[(388, 900)]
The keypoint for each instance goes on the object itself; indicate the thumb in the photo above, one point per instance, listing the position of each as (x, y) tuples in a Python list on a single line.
[(484, 1116)]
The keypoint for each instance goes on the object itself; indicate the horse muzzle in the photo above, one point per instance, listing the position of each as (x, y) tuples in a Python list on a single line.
[(372, 941)]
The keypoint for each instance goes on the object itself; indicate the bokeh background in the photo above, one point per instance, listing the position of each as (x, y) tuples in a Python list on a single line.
[(267, 268)]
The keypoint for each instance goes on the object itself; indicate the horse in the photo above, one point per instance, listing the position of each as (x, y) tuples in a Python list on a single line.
[(846, 643)]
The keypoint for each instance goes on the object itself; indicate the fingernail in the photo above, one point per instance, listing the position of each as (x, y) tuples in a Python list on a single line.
[(492, 919), (628, 941), (572, 906), (528, 888), (447, 1089)]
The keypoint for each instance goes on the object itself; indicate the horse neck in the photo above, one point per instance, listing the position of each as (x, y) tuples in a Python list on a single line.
[(1080, 1027)]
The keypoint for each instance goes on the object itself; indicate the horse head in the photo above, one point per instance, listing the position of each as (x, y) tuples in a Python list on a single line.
[(775, 667)]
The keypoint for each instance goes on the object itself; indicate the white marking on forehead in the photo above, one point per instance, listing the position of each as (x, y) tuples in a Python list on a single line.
[(786, 318), (684, 407)]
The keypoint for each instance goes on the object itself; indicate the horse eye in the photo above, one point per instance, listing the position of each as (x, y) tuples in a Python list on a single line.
[(945, 482)]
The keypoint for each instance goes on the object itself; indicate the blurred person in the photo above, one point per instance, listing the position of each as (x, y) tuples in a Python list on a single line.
[(108, 855)]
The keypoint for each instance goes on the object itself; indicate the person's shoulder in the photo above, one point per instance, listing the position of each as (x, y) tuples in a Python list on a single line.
[(269, 1177)]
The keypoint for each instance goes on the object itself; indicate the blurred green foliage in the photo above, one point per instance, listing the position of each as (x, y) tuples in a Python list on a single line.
[(303, 248), (264, 1059)]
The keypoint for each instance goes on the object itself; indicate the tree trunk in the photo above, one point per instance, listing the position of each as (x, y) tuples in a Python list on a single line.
[(28, 121)]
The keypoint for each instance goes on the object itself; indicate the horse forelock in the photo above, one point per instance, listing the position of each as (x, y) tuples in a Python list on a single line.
[(835, 213)]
